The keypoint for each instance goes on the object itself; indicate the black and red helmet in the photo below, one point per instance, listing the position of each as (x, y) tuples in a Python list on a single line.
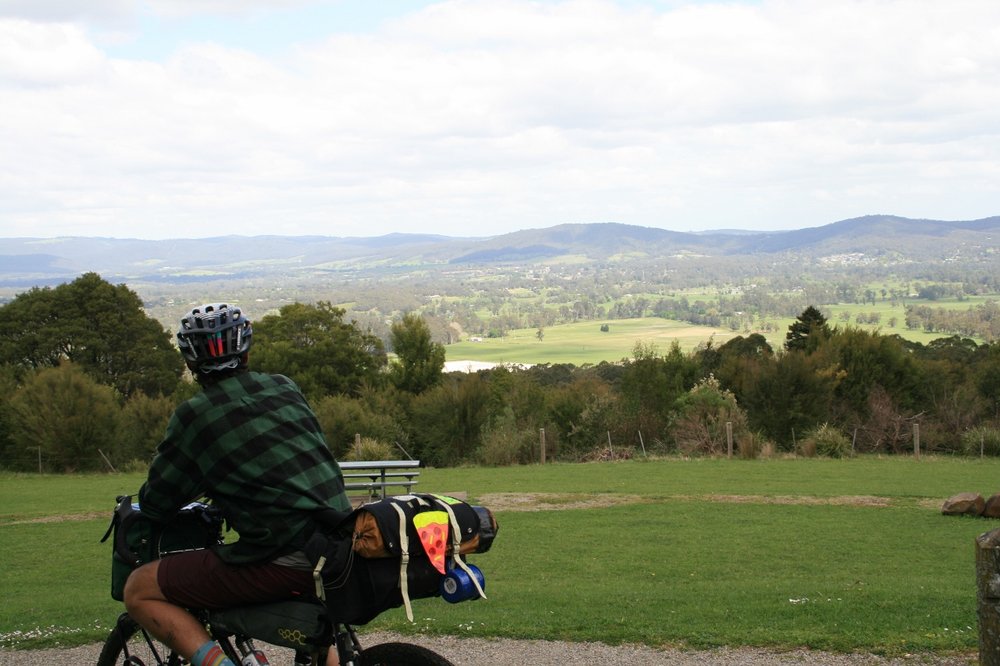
[(215, 336)]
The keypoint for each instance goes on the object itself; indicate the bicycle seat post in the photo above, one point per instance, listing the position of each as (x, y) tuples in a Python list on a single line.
[(249, 654)]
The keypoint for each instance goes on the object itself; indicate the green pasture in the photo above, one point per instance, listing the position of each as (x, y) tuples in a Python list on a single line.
[(584, 342), (843, 555)]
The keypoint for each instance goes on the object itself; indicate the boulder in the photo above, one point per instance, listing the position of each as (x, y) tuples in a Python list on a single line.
[(964, 504), (992, 509)]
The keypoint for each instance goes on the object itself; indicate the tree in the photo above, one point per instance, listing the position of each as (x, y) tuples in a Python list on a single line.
[(97, 326), (866, 360), (787, 394), (447, 420), (317, 349), (805, 331), (342, 417), (419, 360), (988, 374), (652, 382), (67, 416), (141, 425)]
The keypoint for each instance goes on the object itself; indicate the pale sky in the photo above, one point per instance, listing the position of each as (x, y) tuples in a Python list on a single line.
[(194, 118)]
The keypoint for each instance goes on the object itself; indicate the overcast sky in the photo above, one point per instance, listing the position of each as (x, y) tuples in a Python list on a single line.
[(192, 118)]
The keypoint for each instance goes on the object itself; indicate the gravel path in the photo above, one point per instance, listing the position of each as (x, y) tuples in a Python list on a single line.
[(484, 652)]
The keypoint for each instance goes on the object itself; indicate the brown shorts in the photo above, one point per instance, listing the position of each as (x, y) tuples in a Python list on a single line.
[(199, 579)]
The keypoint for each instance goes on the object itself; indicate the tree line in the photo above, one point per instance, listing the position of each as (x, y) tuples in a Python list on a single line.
[(90, 380)]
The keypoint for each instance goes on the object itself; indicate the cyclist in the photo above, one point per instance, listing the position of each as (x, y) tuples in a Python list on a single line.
[(251, 444)]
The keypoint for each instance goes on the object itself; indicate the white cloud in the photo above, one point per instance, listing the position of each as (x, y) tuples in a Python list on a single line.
[(472, 117)]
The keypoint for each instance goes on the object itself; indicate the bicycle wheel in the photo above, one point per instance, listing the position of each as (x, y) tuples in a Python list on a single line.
[(129, 645), (401, 654)]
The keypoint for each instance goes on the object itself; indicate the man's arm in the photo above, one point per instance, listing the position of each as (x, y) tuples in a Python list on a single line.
[(175, 477)]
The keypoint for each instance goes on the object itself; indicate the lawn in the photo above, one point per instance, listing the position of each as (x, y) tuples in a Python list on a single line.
[(843, 555)]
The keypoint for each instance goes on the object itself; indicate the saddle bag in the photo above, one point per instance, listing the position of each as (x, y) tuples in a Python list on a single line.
[(388, 552)]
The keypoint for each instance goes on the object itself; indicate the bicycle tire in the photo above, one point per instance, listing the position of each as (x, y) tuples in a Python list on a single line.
[(401, 654), (140, 649)]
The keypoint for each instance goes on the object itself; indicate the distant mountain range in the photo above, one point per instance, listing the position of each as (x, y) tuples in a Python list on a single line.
[(38, 261)]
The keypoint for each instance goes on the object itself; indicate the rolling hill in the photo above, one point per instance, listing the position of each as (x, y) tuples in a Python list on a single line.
[(42, 261)]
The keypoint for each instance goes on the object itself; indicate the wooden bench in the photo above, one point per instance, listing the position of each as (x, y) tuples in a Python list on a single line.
[(368, 480)]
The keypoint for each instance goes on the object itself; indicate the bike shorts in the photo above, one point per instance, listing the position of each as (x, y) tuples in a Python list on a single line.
[(200, 579)]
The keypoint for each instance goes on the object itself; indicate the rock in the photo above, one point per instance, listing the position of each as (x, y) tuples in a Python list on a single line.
[(964, 504), (992, 509)]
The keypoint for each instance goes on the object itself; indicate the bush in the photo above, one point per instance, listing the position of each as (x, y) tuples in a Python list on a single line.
[(66, 416), (141, 425), (369, 448), (825, 440), (703, 413), (503, 443), (984, 439), (135, 466), (343, 417), (753, 445)]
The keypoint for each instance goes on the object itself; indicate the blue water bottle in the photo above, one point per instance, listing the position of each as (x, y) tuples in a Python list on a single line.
[(457, 586)]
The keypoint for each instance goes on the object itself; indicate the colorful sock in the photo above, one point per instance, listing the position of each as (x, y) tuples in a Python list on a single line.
[(210, 654)]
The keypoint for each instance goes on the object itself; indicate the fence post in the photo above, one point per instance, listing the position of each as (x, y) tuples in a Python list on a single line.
[(988, 597), (729, 438), (916, 439), (541, 443)]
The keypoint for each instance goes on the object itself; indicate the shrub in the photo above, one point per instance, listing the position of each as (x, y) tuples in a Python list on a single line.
[(503, 443), (825, 440), (369, 448), (703, 413), (141, 425), (135, 466), (343, 417), (984, 439), (65, 415), (753, 445)]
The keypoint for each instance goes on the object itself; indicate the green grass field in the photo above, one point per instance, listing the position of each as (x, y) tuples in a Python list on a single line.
[(844, 555), (581, 343), (584, 342)]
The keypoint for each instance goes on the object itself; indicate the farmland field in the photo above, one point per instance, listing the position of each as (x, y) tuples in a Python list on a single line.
[(583, 342)]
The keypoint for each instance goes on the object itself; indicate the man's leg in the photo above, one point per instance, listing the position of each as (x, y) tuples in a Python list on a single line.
[(171, 624)]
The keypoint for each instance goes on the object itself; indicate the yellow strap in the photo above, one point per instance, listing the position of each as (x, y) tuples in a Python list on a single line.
[(404, 561), (456, 544), (318, 578)]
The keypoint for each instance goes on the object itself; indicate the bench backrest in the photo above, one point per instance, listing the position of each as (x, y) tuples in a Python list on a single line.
[(375, 476)]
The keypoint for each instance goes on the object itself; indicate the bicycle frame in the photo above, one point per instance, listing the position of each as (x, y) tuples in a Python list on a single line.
[(342, 637)]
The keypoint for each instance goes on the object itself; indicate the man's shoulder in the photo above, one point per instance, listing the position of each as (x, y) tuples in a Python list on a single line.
[(267, 379), (249, 383)]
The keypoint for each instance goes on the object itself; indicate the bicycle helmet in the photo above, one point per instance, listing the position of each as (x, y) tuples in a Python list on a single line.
[(214, 337)]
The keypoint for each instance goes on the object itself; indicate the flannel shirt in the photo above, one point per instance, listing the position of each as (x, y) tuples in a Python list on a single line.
[(252, 445)]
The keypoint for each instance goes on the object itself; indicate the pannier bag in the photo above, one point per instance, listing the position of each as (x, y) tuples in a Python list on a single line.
[(137, 540), (402, 547)]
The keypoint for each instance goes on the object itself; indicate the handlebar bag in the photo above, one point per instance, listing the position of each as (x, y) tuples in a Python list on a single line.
[(136, 539)]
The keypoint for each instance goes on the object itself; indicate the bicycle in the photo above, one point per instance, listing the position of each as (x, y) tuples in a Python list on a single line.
[(309, 627), (131, 645)]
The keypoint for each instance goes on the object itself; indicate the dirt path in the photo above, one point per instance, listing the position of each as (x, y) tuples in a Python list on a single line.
[(488, 652)]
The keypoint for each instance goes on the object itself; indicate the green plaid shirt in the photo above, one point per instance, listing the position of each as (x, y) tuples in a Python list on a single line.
[(254, 447)]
